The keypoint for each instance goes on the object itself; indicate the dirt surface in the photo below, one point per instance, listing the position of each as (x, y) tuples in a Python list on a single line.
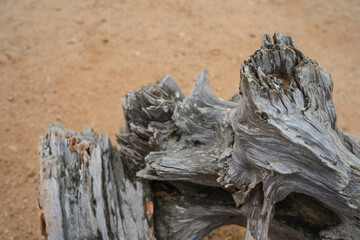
[(73, 61)]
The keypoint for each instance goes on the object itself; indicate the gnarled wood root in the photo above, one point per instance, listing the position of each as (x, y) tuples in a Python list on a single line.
[(271, 159)]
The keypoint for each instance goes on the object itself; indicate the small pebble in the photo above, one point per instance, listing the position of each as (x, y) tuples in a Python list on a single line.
[(137, 53), (7, 130), (72, 41), (105, 40), (103, 20), (11, 99), (27, 101), (87, 67), (253, 35), (25, 48), (216, 52), (13, 148), (31, 174)]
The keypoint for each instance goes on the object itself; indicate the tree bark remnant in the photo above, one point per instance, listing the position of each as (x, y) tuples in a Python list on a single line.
[(271, 159)]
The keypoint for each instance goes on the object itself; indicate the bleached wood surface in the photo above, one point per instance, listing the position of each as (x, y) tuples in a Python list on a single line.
[(271, 159)]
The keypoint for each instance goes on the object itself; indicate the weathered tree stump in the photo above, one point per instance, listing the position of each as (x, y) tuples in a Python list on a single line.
[(271, 159)]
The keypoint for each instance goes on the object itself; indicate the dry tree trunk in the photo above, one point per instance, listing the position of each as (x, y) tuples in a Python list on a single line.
[(86, 191), (270, 159)]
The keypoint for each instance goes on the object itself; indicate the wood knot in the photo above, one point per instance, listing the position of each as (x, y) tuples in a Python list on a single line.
[(264, 116)]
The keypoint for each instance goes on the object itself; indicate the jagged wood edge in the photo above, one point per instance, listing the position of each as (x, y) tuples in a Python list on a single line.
[(286, 136), (151, 128), (169, 165), (85, 191)]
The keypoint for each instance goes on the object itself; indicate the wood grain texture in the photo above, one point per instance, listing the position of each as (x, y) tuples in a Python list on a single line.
[(84, 191), (271, 159), (286, 134)]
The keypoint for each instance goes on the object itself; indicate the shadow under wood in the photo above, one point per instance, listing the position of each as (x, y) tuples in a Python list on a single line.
[(305, 214), (189, 211)]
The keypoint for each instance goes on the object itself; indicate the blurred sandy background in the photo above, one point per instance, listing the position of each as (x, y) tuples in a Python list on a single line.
[(72, 62)]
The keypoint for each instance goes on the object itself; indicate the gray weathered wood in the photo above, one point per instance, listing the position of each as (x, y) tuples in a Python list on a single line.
[(85, 191), (271, 159), (280, 132), (286, 134)]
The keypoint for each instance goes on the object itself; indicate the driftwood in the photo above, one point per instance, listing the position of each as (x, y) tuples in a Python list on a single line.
[(271, 159)]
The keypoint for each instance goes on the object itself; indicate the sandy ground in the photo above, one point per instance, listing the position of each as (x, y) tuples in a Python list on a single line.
[(73, 61)]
